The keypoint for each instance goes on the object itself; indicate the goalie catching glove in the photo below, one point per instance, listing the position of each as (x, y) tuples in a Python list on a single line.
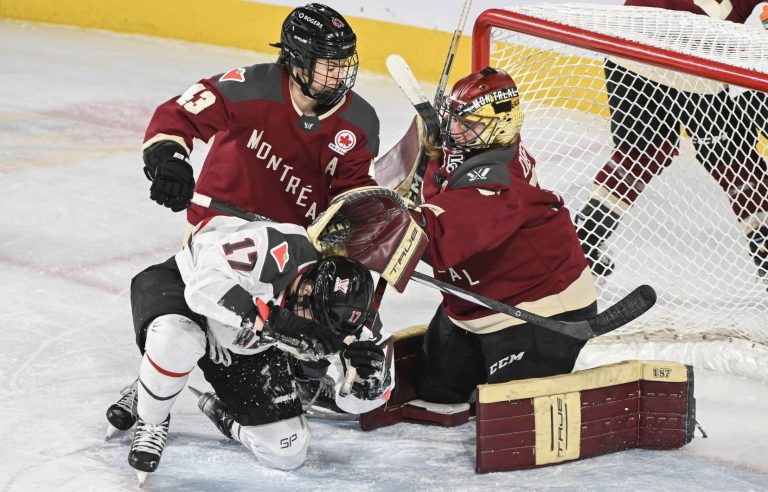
[(373, 226), (302, 337)]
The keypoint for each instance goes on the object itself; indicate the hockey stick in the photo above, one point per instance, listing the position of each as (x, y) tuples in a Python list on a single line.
[(630, 307), (403, 76), (208, 202), (407, 82), (381, 287), (452, 53)]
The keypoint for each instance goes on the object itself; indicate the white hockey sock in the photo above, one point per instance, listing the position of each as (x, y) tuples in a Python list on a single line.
[(174, 344)]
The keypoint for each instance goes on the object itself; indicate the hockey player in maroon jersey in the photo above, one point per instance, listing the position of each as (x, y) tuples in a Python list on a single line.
[(647, 109), (288, 136), (493, 230), (245, 301)]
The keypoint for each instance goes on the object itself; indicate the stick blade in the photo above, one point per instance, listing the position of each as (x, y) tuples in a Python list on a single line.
[(629, 308), (403, 76)]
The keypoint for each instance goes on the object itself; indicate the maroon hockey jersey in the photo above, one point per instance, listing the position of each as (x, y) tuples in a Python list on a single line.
[(732, 10), (266, 157), (494, 231)]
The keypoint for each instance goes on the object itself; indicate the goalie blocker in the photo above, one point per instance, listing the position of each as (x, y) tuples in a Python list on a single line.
[(545, 421)]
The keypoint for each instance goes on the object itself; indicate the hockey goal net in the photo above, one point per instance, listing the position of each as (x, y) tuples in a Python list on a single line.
[(684, 204)]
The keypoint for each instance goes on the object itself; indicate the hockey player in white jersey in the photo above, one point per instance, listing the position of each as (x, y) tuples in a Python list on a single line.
[(257, 309)]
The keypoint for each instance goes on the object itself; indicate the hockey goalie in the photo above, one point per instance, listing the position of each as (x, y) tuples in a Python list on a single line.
[(493, 230)]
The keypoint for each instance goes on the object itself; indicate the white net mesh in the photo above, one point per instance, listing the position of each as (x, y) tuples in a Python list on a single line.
[(602, 137), (680, 32)]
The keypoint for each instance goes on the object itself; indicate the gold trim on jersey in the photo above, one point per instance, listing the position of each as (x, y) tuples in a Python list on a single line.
[(580, 294)]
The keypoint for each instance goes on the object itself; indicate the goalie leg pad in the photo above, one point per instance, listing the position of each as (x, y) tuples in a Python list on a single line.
[(545, 421)]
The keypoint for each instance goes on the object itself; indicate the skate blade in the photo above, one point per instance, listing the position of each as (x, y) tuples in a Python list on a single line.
[(111, 431), (195, 392), (325, 414), (142, 477)]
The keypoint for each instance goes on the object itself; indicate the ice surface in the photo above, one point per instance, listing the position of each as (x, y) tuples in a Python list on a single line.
[(77, 224)]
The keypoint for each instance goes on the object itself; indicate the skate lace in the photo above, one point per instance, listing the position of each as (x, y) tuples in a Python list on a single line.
[(150, 438), (130, 398)]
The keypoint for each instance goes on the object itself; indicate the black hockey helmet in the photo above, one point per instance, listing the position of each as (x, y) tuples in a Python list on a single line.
[(319, 42), (341, 294)]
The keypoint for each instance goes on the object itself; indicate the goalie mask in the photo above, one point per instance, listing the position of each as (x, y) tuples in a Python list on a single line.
[(316, 40), (482, 111), (337, 291)]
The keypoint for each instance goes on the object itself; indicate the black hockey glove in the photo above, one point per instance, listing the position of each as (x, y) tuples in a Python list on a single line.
[(372, 369), (173, 182), (311, 369), (302, 337)]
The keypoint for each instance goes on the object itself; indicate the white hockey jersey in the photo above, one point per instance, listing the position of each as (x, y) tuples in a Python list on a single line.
[(227, 262)]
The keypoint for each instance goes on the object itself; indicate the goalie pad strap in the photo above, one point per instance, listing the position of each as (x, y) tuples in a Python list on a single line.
[(544, 421)]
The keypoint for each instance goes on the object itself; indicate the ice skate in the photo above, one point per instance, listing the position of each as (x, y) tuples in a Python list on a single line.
[(121, 416), (215, 410), (147, 447)]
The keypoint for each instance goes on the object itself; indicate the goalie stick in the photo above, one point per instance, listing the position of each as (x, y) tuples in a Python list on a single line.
[(403, 76), (630, 307)]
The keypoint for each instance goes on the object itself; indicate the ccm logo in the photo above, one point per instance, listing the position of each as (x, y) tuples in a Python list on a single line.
[(287, 441), (505, 361)]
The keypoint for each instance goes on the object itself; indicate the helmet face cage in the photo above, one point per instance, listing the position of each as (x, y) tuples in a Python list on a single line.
[(323, 79), (468, 132), (320, 47)]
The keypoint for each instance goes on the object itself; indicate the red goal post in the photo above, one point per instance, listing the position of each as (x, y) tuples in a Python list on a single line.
[(526, 24), (678, 230)]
